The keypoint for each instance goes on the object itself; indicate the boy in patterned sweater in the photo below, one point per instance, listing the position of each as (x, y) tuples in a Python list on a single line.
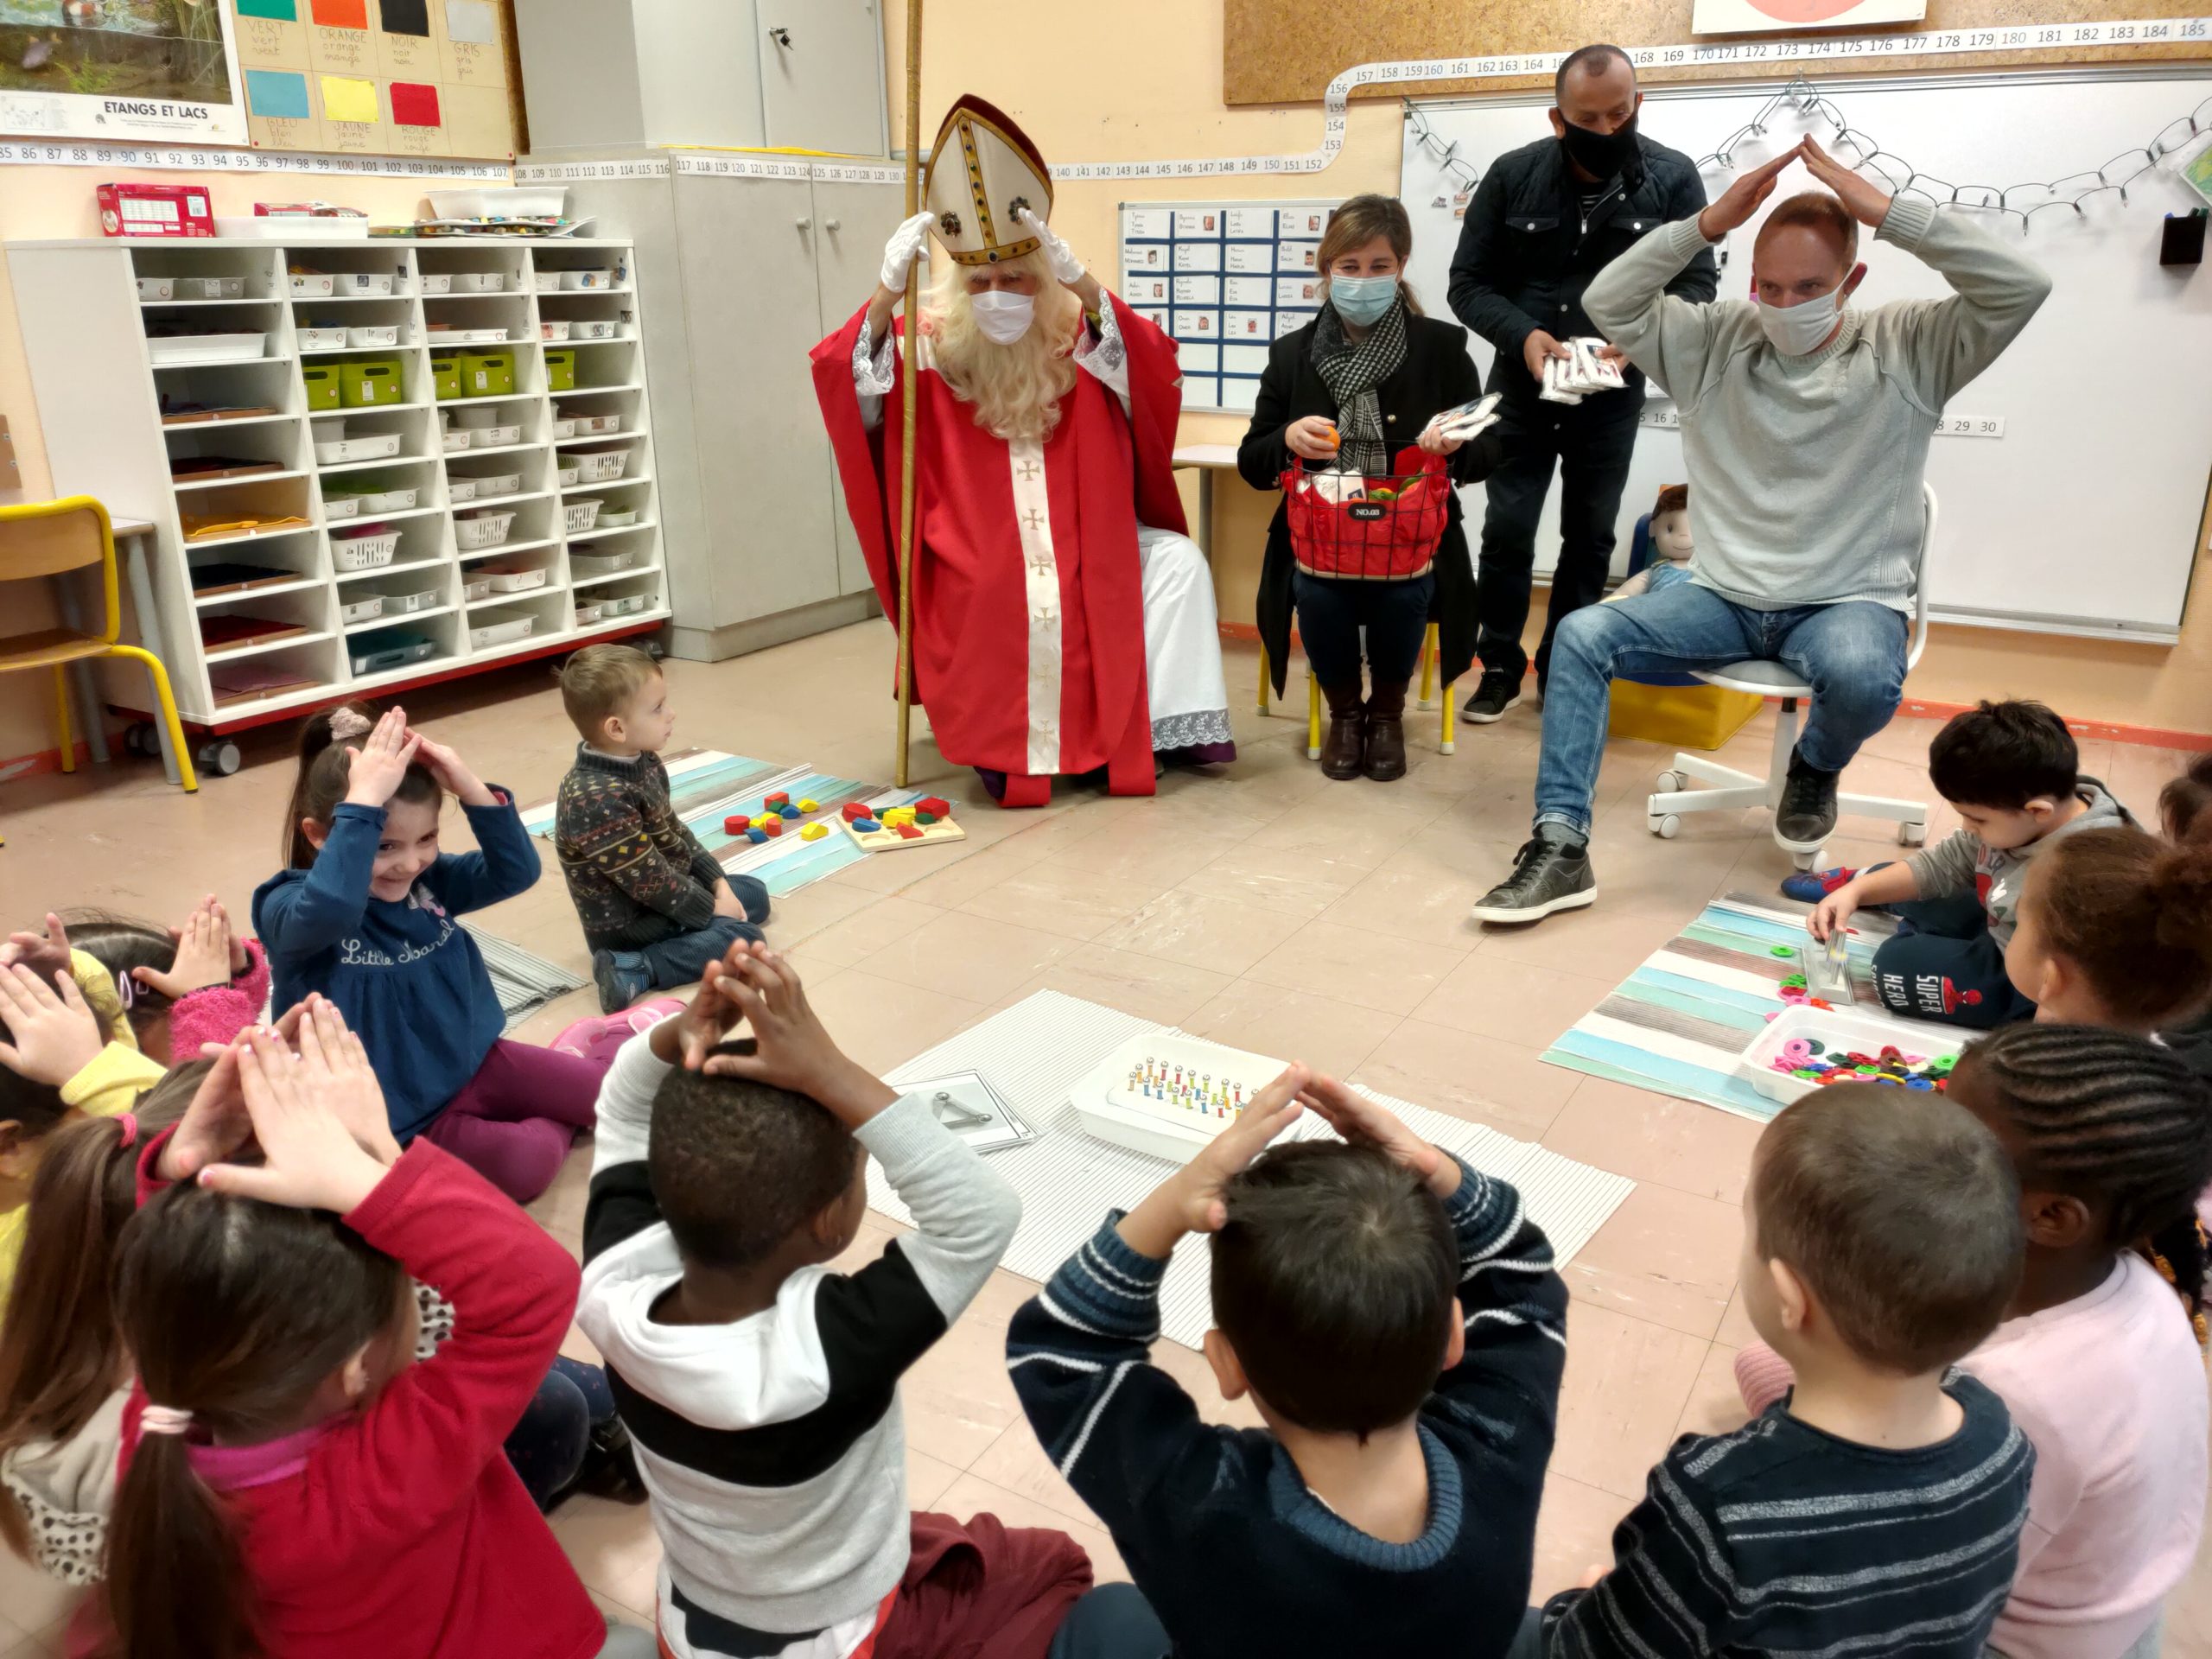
[(656, 906)]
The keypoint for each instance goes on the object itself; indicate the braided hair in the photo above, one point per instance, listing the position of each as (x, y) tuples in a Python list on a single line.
[(2110, 1116)]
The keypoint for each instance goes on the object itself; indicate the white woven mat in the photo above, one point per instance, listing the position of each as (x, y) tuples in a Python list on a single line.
[(1037, 1050)]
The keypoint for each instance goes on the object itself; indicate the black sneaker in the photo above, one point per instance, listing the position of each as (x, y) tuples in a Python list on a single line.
[(619, 977), (1547, 875), (1498, 692), (1805, 817)]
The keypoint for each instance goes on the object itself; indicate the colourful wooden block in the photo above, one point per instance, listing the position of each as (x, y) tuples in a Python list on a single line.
[(814, 832), (756, 835), (925, 818), (809, 806), (908, 832), (935, 804), (854, 812), (773, 826), (787, 811), (776, 799), (737, 824), (867, 826)]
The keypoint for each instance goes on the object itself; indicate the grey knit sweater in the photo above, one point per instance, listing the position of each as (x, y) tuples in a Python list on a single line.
[(1805, 472)]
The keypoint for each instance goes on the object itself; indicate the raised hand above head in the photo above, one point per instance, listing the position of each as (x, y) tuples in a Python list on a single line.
[(312, 1160), (1192, 1199), (1741, 199), (45, 954), (203, 955), (1066, 268), (1361, 1123), (1868, 202), (452, 773), (380, 760), (908, 243), (791, 1048), (54, 1034)]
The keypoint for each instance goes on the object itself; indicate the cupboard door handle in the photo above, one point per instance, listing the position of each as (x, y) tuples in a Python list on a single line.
[(831, 224), (804, 224)]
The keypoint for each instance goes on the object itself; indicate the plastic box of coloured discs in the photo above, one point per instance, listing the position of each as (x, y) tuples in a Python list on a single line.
[(1925, 1051), (1170, 1094)]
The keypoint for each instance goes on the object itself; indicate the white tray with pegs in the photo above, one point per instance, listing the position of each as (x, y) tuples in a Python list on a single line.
[(1169, 1094)]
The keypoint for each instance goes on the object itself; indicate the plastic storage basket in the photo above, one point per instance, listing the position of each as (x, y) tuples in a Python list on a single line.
[(381, 650), (585, 564), (364, 609), (581, 516), (404, 602), (602, 466), (1368, 529), (370, 548), (481, 529), (496, 628)]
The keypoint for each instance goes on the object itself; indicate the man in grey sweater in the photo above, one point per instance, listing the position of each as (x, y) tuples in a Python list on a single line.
[(1805, 429)]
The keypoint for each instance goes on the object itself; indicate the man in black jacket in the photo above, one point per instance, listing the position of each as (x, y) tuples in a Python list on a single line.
[(1547, 219)]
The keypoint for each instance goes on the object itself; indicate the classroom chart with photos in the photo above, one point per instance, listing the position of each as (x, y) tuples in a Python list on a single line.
[(376, 77), (1225, 279)]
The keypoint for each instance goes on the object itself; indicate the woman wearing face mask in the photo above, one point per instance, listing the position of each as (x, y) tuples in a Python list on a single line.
[(1063, 623), (1352, 388)]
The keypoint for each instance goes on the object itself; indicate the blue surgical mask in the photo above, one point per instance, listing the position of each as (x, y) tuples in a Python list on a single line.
[(1362, 300)]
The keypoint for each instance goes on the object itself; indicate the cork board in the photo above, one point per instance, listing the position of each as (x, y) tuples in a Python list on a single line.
[(1288, 51), (377, 77)]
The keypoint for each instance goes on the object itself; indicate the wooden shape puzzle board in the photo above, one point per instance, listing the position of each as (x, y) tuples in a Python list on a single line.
[(888, 840), (376, 77)]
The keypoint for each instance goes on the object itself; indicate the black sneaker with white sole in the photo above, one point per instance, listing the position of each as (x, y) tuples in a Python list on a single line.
[(1547, 875), (1497, 692), (1805, 817)]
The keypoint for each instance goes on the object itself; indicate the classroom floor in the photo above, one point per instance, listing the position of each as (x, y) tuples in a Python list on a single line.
[(1262, 906)]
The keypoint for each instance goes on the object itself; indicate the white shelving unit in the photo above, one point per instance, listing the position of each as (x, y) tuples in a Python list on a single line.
[(103, 400)]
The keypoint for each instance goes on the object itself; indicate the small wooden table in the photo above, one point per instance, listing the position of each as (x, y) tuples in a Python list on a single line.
[(1209, 459)]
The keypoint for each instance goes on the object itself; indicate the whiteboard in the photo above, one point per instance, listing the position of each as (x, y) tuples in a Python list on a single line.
[(2083, 517), (1222, 279)]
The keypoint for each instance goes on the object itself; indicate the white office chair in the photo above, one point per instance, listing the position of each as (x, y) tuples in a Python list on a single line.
[(1736, 790)]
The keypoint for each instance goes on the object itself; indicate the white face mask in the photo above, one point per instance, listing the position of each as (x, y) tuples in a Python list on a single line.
[(1794, 330), (1003, 317)]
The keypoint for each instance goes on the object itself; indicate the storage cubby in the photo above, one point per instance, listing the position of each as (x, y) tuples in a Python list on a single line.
[(270, 617)]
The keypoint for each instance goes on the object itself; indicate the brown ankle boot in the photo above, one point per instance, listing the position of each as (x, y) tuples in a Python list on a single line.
[(1345, 748), (1386, 732)]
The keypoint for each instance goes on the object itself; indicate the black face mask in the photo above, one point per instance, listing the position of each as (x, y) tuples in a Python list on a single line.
[(1602, 155)]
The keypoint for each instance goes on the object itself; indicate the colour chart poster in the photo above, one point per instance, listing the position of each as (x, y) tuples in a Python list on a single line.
[(376, 77), (1225, 280)]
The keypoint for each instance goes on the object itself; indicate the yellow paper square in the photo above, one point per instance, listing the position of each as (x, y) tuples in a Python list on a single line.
[(346, 99)]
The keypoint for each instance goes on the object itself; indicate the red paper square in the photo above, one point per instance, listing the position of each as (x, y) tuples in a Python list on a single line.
[(413, 104)]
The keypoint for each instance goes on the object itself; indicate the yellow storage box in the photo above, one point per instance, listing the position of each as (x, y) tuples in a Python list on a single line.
[(1680, 716)]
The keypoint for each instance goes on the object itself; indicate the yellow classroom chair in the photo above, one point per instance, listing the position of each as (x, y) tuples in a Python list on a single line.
[(1429, 656), (50, 538)]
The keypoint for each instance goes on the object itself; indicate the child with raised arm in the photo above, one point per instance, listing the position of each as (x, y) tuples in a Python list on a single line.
[(1396, 1319), (761, 1386), (367, 914)]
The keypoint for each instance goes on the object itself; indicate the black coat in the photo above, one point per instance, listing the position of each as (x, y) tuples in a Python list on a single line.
[(1436, 374), (1524, 257)]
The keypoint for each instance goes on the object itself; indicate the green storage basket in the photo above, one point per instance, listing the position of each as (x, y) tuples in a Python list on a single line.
[(367, 382), (445, 376), (561, 369), (320, 382), (488, 374)]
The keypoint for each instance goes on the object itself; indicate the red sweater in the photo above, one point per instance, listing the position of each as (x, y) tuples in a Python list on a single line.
[(401, 1532)]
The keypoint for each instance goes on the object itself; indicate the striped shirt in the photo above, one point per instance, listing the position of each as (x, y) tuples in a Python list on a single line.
[(1237, 1557), (1783, 1539)]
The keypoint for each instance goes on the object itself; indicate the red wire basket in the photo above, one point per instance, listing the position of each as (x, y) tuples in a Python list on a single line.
[(1387, 533)]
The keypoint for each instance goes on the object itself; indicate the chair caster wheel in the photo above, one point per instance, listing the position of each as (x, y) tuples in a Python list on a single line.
[(221, 757), (1912, 835), (1808, 861), (139, 738), (1665, 825), (1668, 783)]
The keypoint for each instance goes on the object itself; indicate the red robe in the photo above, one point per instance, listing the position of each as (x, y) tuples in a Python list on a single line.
[(1028, 616)]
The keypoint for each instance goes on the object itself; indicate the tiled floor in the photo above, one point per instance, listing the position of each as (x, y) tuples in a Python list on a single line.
[(1263, 906)]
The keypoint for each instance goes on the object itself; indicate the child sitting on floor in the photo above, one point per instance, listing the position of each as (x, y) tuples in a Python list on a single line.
[(1396, 1319), (366, 916), (2112, 1137), (656, 907), (290, 1483), (163, 991), (1877, 1510), (2012, 772), (761, 1387), (2185, 814)]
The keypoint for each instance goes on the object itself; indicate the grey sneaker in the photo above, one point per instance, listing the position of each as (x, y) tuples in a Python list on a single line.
[(1805, 817), (1497, 692), (1547, 875), (620, 978)]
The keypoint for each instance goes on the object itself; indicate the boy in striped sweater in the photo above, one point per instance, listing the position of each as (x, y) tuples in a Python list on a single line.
[(1877, 1509), (1395, 1319)]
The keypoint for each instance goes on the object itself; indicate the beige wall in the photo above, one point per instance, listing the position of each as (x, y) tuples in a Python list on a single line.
[(1141, 81)]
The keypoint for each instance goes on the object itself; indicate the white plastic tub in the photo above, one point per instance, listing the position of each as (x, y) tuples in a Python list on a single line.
[(158, 288), (629, 605), (390, 500), (477, 530), (362, 610), (600, 564), (341, 506), (587, 615), (497, 630), (321, 339), (479, 281), (546, 282), (491, 483), (475, 588), (437, 281), (564, 428), (204, 348), (442, 338), (376, 446), (568, 476), (581, 516), (287, 227), (312, 284), (516, 581), (617, 518), (1830, 1030), (459, 489), (575, 281), (363, 282), (364, 550), (407, 602), (375, 335), (596, 330), (550, 329), (210, 288), (457, 440)]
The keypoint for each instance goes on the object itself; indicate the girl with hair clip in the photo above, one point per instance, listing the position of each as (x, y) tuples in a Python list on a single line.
[(2112, 1137), (367, 915), (168, 990), (289, 1484)]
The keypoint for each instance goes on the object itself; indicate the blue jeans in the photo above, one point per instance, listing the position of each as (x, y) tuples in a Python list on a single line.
[(547, 1442), (1852, 655), (682, 957), (1111, 1622)]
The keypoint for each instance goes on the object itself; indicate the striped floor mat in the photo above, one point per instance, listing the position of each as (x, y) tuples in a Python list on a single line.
[(1677, 1024), (525, 982), (707, 786), (1037, 1050)]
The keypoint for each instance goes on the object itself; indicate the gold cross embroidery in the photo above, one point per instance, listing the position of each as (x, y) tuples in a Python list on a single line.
[(1029, 470), (1033, 520), (1041, 561)]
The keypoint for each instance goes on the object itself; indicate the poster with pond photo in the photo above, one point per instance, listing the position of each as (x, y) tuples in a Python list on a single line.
[(123, 70)]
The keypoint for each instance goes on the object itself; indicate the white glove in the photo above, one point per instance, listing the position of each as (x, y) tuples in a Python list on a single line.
[(1065, 266), (909, 241)]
